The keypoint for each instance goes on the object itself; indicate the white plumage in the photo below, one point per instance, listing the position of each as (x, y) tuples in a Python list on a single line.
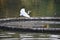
[(23, 13)]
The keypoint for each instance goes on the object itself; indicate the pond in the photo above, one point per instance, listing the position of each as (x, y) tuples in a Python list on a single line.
[(28, 36)]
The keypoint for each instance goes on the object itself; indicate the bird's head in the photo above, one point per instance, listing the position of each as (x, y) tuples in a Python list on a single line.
[(29, 12)]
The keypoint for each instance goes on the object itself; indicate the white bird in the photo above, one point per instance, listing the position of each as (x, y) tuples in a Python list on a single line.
[(23, 13)]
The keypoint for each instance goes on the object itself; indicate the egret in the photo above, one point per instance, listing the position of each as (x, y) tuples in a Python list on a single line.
[(24, 13)]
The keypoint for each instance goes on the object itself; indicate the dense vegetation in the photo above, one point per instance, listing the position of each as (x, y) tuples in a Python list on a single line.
[(11, 8)]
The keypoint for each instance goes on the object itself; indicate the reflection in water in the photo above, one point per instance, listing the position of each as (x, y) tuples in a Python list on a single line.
[(30, 39), (10, 39), (54, 36), (40, 39), (27, 36)]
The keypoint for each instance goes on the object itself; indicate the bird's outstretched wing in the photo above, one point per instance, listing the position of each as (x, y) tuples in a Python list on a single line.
[(23, 13)]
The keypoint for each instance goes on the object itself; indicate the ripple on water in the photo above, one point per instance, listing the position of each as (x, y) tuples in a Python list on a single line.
[(30, 36), (10, 39)]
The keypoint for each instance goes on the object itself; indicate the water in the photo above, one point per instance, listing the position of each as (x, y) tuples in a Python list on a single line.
[(27, 36)]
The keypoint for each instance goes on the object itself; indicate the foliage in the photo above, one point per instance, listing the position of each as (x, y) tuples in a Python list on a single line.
[(39, 8)]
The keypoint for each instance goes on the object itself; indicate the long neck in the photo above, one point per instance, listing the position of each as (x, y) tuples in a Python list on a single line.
[(28, 12)]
